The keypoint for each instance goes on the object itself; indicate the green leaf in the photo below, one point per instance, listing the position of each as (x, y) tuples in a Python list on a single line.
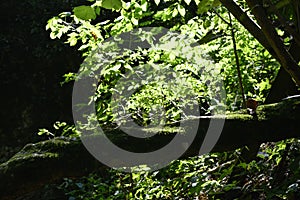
[(97, 10), (52, 35), (181, 10), (72, 41), (84, 12), (175, 13), (115, 68), (172, 56), (206, 5), (112, 4), (134, 21), (157, 2), (144, 6), (216, 3), (44, 131), (127, 66), (187, 2)]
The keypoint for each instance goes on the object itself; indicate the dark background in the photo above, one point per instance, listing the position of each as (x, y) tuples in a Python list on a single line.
[(31, 69)]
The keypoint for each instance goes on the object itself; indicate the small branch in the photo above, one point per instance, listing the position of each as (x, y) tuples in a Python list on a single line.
[(224, 20), (237, 61), (249, 24)]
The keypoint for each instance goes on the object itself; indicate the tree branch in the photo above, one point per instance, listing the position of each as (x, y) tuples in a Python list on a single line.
[(47, 161), (284, 57), (249, 24), (237, 61)]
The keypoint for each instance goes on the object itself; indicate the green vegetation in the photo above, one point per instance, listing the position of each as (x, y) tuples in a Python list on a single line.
[(207, 47), (213, 28), (274, 174), (239, 58)]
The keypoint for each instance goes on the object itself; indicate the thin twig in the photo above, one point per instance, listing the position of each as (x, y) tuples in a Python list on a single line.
[(237, 61)]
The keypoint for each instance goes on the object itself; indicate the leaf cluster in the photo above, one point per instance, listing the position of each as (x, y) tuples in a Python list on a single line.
[(274, 174)]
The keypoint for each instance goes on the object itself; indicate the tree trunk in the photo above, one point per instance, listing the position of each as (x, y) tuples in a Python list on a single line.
[(47, 161)]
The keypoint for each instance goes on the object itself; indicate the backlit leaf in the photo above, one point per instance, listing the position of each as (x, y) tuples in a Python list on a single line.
[(112, 4), (181, 10), (84, 12), (134, 21), (187, 2)]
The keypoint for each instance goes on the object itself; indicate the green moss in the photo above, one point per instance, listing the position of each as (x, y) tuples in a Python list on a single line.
[(240, 117), (41, 150), (164, 130)]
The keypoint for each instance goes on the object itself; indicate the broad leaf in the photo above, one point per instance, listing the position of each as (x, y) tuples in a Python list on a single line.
[(112, 4), (181, 10), (206, 5), (84, 12), (187, 2), (135, 21)]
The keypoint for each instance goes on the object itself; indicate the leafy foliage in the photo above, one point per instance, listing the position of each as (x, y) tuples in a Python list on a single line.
[(257, 66), (214, 176), (273, 175), (60, 129), (155, 74)]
